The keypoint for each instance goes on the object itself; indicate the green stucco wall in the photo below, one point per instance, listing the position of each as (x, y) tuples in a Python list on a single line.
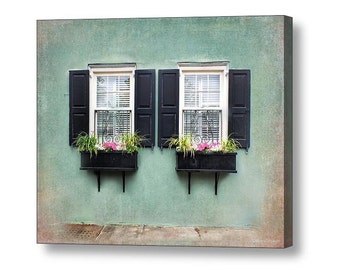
[(156, 194)]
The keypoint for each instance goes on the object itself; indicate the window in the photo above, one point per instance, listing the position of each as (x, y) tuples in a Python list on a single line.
[(208, 100), (203, 102), (111, 101)]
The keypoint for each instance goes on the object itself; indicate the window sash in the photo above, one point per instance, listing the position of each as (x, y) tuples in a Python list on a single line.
[(203, 125), (202, 90), (110, 124), (111, 91)]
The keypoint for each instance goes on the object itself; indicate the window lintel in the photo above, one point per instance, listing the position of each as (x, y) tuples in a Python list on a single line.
[(201, 66), (106, 68)]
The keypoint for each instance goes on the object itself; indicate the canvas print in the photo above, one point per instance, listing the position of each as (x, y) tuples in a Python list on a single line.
[(165, 131)]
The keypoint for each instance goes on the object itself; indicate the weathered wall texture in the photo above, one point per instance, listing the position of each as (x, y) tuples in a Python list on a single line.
[(156, 195)]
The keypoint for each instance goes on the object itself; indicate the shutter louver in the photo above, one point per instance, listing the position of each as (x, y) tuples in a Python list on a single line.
[(168, 105), (239, 106), (145, 105), (79, 103)]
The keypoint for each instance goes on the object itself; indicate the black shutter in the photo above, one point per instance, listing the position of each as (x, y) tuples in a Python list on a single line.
[(239, 106), (145, 105), (168, 105), (79, 103)]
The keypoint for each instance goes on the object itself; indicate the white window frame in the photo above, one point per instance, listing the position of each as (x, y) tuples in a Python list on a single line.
[(221, 68), (96, 70)]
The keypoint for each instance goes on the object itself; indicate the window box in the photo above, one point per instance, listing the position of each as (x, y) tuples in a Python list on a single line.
[(206, 162), (115, 160), (119, 161), (110, 156)]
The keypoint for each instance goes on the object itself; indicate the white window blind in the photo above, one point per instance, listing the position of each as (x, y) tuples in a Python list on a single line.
[(203, 125), (202, 91), (112, 123), (202, 106), (113, 91)]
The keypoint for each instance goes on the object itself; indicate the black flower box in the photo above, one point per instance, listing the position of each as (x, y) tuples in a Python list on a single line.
[(109, 161), (206, 162), (115, 161)]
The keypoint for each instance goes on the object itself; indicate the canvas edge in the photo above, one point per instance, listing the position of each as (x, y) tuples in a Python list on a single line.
[(288, 131)]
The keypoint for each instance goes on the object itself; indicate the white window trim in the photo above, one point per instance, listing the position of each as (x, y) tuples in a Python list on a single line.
[(221, 68), (106, 69)]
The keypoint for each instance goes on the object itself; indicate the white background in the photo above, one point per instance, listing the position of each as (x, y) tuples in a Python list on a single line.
[(316, 135)]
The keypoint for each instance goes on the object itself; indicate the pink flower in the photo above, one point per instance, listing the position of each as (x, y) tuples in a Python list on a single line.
[(203, 146), (213, 146), (110, 146)]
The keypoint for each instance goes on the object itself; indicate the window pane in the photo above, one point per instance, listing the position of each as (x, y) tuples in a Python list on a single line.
[(190, 91), (202, 90), (204, 125), (111, 124), (113, 91)]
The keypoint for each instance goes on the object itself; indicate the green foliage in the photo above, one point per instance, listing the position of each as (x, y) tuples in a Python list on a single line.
[(229, 145), (132, 142), (129, 143), (186, 145), (183, 144), (87, 143)]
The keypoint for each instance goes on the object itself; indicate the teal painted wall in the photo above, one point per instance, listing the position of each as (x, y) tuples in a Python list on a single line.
[(156, 194)]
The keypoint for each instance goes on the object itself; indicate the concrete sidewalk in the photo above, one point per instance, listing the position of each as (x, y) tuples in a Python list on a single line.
[(151, 235)]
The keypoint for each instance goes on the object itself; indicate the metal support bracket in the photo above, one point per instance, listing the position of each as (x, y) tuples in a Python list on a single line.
[(123, 178), (98, 179), (217, 176), (189, 180), (97, 172)]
